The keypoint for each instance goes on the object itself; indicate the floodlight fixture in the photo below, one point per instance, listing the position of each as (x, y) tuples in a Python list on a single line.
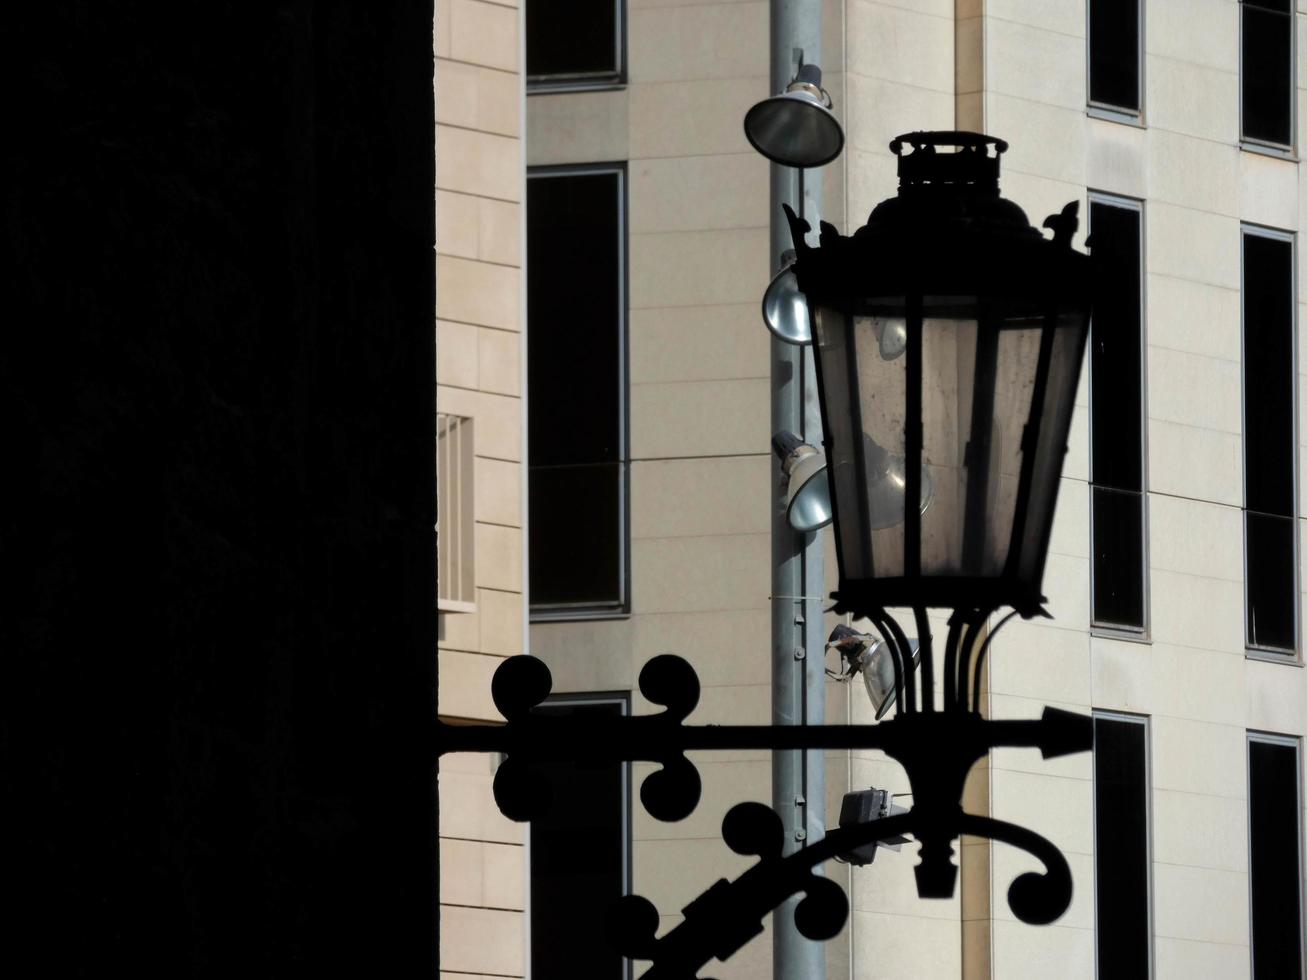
[(784, 308), (866, 655), (807, 491), (887, 483), (864, 806), (797, 127), (878, 676), (891, 335)]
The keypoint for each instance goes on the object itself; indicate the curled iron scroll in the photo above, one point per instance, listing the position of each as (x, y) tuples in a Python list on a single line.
[(730, 913), (522, 683)]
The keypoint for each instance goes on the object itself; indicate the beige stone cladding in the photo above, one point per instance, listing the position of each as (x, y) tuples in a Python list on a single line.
[(479, 328), (1188, 672)]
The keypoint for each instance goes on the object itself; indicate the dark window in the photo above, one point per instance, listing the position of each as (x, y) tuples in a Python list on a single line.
[(574, 42), (579, 861), (1266, 65), (1117, 421), (1114, 54), (1274, 861), (1122, 920), (1268, 440), (576, 390)]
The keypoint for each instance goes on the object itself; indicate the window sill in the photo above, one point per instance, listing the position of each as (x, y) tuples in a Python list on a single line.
[(565, 87), (577, 615), (1123, 116), (1285, 659), (455, 606), (1121, 633), (1269, 150)]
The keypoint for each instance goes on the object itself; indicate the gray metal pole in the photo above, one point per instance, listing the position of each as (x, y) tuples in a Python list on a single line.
[(798, 677)]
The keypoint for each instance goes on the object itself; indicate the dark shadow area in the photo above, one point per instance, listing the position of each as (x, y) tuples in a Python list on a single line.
[(218, 622)]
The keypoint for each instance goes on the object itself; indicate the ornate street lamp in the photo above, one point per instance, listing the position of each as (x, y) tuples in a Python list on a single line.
[(949, 335)]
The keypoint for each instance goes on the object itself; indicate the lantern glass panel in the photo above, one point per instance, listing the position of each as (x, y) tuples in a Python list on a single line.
[(965, 446), (982, 361), (1064, 339), (881, 384), (862, 444)]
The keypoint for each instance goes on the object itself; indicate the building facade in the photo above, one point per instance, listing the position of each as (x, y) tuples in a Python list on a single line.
[(602, 248), (480, 476)]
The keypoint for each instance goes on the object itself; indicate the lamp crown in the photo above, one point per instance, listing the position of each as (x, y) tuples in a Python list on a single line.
[(969, 167)]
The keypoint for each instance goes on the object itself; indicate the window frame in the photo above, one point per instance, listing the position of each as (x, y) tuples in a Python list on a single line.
[(1254, 652), (456, 541), (1120, 631), (1252, 144), (620, 609), (1294, 742), (1146, 722), (1106, 110), (583, 81), (623, 700)]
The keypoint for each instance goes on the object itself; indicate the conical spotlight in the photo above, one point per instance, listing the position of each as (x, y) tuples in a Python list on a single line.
[(878, 676), (807, 492), (863, 653), (892, 336), (796, 128), (784, 308), (887, 484)]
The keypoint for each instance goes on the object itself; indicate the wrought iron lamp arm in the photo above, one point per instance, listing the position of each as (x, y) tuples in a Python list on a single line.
[(936, 749), (649, 738)]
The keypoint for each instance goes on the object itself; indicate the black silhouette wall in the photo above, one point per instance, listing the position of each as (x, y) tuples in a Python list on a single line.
[(217, 623)]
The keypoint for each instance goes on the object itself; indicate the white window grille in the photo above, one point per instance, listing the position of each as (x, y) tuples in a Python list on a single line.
[(455, 527)]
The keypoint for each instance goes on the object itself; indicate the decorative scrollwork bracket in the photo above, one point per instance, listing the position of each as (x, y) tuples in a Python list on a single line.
[(936, 747)]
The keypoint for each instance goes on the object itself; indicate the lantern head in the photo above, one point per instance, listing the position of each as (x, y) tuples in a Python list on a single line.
[(949, 335)]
